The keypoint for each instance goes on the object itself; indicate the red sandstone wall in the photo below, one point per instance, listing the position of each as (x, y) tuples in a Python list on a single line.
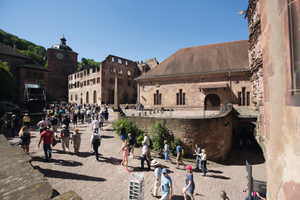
[(209, 133), (281, 113)]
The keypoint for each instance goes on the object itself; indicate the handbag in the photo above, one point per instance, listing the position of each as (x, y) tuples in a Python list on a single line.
[(54, 142)]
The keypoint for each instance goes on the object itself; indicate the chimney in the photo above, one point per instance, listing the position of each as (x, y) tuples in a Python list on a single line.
[(15, 46)]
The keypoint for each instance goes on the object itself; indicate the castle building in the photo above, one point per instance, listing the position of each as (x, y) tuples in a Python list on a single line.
[(24, 69), (96, 85), (62, 61), (201, 77)]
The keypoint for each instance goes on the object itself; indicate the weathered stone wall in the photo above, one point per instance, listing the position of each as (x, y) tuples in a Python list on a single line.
[(210, 133), (281, 46)]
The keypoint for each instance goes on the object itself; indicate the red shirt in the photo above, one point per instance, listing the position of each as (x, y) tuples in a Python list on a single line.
[(46, 136)]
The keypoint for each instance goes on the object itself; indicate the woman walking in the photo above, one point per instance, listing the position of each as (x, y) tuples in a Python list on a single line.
[(25, 136), (125, 150), (203, 161), (189, 183), (167, 151)]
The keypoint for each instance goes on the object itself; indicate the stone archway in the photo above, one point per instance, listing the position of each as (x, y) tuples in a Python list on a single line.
[(212, 102)]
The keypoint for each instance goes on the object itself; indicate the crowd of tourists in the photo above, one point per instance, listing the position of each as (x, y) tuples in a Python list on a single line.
[(65, 116)]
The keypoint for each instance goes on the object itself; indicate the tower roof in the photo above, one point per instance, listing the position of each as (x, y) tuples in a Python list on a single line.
[(62, 46)]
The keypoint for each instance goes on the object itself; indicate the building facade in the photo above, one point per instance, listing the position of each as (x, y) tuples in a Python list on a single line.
[(24, 69), (280, 36), (202, 77), (62, 61), (93, 85)]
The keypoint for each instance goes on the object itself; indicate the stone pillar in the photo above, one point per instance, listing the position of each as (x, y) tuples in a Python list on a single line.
[(116, 100)]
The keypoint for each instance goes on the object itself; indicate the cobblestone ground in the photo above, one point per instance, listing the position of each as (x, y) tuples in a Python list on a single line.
[(107, 179)]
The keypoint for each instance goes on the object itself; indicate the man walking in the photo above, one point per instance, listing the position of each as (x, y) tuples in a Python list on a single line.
[(197, 154), (179, 155), (66, 121), (95, 143), (147, 142), (166, 186), (95, 125), (131, 142), (15, 125), (47, 137), (54, 123), (157, 175), (65, 137), (145, 156), (123, 133)]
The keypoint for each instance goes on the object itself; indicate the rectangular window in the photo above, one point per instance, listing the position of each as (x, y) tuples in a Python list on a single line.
[(248, 98), (112, 70), (157, 98), (94, 69), (41, 76), (87, 82), (84, 73), (243, 96), (240, 98), (119, 71), (35, 75), (94, 81), (98, 80), (112, 59), (84, 83), (180, 97), (129, 83), (119, 61), (28, 74)]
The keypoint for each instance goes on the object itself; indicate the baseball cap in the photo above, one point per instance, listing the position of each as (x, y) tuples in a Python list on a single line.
[(189, 167), (164, 170)]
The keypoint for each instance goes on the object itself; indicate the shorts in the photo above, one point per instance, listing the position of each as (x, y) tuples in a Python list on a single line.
[(26, 142), (180, 158), (190, 189), (100, 124), (123, 137)]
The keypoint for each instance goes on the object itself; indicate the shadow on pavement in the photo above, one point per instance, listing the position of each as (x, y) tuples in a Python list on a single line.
[(236, 157), (58, 162), (218, 176), (214, 171), (84, 154), (138, 169), (106, 136), (67, 175), (111, 160)]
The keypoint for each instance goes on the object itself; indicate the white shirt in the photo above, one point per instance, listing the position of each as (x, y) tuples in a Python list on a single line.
[(144, 149), (146, 140), (203, 156), (88, 112), (96, 135), (95, 124)]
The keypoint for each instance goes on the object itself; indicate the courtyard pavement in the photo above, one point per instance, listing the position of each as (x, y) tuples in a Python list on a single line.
[(108, 180)]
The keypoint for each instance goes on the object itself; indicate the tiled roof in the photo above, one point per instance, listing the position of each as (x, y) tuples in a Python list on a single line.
[(6, 50), (213, 58), (31, 64)]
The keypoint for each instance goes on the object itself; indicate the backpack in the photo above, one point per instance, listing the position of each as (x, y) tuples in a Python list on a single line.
[(96, 141), (25, 136)]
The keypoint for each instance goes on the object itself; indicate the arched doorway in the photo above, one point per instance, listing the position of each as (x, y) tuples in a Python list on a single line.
[(212, 102), (87, 97), (95, 97)]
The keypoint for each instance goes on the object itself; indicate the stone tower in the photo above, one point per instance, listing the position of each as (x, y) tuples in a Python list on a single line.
[(62, 61)]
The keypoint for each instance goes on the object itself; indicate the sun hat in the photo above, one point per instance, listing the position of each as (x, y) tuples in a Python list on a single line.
[(154, 162), (164, 170), (189, 167), (64, 126)]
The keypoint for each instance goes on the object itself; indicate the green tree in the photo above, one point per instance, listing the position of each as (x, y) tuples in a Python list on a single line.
[(8, 86)]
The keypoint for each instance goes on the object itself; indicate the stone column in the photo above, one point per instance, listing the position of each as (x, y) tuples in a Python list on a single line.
[(116, 100)]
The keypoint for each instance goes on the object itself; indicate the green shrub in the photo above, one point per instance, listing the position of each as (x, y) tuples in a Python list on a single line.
[(129, 128), (159, 133)]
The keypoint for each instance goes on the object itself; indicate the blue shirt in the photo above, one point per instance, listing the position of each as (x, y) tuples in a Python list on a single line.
[(166, 183), (189, 177), (178, 149)]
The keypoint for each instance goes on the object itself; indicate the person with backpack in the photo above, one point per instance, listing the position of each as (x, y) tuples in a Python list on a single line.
[(95, 143), (42, 124), (54, 123), (179, 155), (125, 150), (25, 137), (66, 121), (65, 138)]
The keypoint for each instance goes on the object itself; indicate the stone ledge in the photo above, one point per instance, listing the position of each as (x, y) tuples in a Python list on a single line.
[(18, 179)]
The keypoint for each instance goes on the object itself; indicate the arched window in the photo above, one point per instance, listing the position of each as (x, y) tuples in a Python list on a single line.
[(71, 97), (75, 97), (95, 96), (87, 97), (212, 102)]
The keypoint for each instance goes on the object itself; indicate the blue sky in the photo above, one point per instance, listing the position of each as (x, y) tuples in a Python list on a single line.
[(131, 29)]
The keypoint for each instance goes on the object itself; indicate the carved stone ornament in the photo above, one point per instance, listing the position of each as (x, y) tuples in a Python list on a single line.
[(157, 84)]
